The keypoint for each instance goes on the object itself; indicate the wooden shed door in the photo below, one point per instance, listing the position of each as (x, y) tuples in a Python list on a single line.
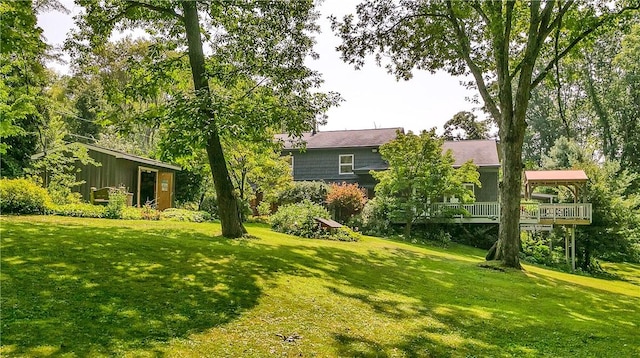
[(165, 190)]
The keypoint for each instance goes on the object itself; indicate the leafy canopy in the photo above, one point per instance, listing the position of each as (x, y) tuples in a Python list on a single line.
[(420, 174)]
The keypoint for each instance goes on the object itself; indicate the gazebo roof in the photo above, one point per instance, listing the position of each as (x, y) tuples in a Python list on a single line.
[(555, 176), (575, 180)]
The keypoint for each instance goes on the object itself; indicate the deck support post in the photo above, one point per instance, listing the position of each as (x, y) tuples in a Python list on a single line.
[(573, 248), (566, 247)]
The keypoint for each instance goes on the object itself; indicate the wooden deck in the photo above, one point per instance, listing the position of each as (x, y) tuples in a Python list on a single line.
[(530, 213)]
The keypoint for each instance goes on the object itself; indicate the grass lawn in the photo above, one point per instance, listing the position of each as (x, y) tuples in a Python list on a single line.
[(96, 287)]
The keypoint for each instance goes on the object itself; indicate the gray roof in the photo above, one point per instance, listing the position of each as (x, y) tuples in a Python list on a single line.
[(484, 153), (342, 139), (119, 155)]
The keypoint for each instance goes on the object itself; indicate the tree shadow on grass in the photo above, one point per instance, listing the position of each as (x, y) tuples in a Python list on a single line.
[(473, 311), (110, 290), (89, 291)]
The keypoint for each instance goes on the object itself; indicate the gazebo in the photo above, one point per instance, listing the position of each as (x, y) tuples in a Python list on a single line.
[(578, 213)]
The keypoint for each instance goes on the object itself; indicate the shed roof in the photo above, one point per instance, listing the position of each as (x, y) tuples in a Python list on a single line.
[(120, 155), (342, 139), (555, 176), (484, 153)]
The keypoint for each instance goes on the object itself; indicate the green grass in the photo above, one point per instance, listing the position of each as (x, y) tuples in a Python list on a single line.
[(96, 287)]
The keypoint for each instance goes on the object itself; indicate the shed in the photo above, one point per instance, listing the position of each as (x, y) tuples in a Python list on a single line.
[(149, 180)]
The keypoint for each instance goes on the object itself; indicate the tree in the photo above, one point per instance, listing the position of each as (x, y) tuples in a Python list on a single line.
[(420, 174), (508, 47), (464, 125), (346, 200), (264, 43), (23, 77), (257, 167), (614, 233)]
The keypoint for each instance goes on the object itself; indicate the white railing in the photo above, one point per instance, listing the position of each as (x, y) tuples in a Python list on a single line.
[(579, 211), (479, 209), (528, 211)]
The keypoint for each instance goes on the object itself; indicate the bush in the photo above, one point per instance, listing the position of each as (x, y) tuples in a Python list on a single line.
[(264, 208), (22, 196), (81, 210), (375, 217), (62, 195), (117, 203), (174, 214), (346, 200), (314, 191), (345, 234), (209, 204), (258, 219), (131, 213), (299, 219), (149, 213), (482, 236)]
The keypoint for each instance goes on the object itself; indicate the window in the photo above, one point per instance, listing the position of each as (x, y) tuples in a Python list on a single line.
[(289, 160), (470, 187), (345, 164), (453, 199)]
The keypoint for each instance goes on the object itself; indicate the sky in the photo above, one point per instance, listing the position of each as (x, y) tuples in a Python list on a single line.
[(372, 97)]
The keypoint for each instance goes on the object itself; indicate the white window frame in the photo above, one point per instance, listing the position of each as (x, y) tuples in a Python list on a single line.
[(291, 162), (454, 200), (341, 164), (473, 187)]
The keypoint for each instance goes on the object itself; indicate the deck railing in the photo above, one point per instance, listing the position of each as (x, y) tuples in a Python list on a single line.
[(579, 211), (479, 209), (528, 211)]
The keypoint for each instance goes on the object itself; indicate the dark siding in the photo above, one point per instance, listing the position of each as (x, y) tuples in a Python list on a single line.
[(93, 176), (322, 164), (112, 173), (127, 176), (489, 190)]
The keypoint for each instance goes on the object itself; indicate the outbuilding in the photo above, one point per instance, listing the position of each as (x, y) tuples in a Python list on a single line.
[(149, 180)]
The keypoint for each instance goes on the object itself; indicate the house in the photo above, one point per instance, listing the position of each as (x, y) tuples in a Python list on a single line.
[(147, 179), (350, 155), (338, 156)]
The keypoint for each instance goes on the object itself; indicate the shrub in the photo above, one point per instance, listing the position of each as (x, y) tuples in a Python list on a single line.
[(264, 208), (375, 217), (482, 236), (117, 203), (131, 213), (22, 196), (62, 195), (149, 213), (299, 219), (314, 191), (174, 214), (346, 200), (345, 234), (81, 210), (258, 219), (209, 204)]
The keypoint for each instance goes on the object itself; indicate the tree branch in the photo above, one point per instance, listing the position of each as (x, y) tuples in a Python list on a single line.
[(476, 5), (164, 10), (563, 10), (464, 49), (577, 40), (411, 16)]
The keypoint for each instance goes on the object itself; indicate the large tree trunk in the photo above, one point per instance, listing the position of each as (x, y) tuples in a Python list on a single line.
[(227, 203), (508, 247)]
